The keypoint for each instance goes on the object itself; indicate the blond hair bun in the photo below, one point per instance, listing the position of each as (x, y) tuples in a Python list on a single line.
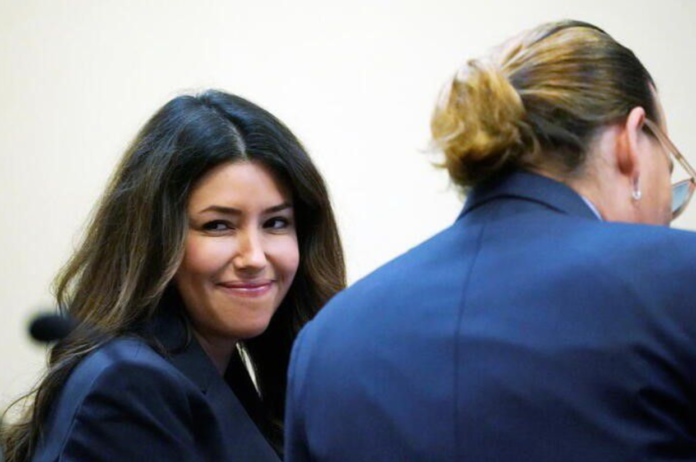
[(479, 124)]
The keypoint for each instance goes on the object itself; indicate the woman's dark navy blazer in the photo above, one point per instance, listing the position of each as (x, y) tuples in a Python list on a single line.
[(528, 331), (127, 403)]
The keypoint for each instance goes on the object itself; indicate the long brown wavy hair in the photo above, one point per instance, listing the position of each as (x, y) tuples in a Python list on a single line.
[(134, 244)]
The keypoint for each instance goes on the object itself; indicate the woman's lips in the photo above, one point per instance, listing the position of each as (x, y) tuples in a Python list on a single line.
[(247, 288)]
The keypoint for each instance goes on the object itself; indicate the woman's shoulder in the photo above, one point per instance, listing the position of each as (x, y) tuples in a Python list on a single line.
[(122, 385), (124, 355), (126, 365), (123, 373)]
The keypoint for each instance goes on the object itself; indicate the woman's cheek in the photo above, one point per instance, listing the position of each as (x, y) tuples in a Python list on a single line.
[(290, 255), (206, 254)]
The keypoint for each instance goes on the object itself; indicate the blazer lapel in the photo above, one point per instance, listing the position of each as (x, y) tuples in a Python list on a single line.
[(241, 434)]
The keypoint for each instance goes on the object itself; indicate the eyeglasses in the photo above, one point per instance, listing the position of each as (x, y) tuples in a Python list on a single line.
[(683, 190)]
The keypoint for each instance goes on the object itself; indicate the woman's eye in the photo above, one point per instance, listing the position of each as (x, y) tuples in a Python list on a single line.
[(277, 223), (217, 225)]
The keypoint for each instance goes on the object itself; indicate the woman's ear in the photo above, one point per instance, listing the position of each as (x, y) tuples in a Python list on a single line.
[(629, 144)]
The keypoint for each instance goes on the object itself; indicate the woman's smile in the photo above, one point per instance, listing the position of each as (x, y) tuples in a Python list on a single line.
[(248, 289)]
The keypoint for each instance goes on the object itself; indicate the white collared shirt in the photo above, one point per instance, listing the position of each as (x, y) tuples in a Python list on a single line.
[(592, 207)]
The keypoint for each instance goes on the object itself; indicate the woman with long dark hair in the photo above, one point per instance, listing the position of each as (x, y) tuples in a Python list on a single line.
[(214, 243)]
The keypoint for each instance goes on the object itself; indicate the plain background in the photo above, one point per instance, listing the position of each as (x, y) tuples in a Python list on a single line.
[(355, 80)]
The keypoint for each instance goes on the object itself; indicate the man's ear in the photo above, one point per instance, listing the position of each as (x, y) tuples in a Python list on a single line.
[(629, 143)]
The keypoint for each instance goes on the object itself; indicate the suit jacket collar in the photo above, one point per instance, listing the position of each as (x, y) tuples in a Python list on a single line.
[(531, 187), (183, 350)]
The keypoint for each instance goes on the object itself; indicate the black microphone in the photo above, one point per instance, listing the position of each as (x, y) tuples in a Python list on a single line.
[(48, 328)]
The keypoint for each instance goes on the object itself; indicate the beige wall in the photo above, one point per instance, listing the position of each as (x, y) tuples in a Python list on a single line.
[(356, 81)]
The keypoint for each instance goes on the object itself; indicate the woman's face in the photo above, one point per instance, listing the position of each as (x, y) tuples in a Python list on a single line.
[(241, 252)]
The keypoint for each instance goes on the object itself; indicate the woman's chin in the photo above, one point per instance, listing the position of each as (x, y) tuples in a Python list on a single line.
[(251, 329)]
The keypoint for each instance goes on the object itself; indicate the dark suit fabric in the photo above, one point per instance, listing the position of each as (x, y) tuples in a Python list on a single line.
[(127, 403), (529, 330)]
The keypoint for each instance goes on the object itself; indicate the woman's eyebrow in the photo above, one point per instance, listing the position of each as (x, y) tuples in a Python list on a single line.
[(278, 208), (234, 211)]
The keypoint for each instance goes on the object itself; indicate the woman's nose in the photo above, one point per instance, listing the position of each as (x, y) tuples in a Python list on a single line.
[(250, 252)]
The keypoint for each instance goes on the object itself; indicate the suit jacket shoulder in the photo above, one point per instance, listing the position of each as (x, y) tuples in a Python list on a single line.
[(126, 402), (528, 330), (123, 402)]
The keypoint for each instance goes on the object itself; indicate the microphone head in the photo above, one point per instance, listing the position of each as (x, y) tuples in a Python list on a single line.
[(47, 328)]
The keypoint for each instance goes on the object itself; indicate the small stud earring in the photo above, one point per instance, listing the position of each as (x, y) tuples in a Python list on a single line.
[(636, 194)]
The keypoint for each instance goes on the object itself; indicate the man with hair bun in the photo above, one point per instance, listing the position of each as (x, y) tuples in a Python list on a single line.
[(555, 320)]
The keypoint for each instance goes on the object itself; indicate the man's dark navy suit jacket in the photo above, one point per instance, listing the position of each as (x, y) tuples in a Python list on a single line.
[(528, 331), (127, 403)]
